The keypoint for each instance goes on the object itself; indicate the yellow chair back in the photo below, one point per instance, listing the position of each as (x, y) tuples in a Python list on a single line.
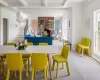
[(14, 61), (87, 42), (43, 44), (30, 44), (83, 41), (65, 51), (10, 44), (39, 61)]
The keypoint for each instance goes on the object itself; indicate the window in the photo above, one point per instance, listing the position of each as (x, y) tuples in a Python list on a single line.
[(97, 32), (64, 28)]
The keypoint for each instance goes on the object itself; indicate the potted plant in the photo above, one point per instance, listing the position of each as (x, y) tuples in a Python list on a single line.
[(21, 45)]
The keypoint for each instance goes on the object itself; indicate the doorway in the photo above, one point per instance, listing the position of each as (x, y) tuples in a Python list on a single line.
[(5, 30)]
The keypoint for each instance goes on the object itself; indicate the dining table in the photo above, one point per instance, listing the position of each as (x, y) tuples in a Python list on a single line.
[(49, 50)]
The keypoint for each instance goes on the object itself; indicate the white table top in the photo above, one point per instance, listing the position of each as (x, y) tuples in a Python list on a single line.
[(31, 49)]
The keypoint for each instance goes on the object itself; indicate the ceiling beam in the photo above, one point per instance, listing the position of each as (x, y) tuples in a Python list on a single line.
[(64, 3), (88, 1), (45, 2), (3, 3), (23, 2)]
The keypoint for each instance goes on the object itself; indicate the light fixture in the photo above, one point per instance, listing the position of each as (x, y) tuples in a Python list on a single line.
[(60, 30), (23, 15)]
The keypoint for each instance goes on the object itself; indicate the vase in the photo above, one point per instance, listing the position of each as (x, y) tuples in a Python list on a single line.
[(21, 48)]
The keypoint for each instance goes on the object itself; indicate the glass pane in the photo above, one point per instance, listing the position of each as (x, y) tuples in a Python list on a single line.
[(97, 38)]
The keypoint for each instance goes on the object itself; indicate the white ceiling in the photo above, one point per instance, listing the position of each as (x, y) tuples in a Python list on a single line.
[(35, 8)]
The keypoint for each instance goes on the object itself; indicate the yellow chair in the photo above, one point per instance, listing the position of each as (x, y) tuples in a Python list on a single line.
[(82, 43), (11, 44), (39, 62), (15, 63), (30, 44), (43, 44), (2, 67), (61, 59), (85, 47), (24, 56)]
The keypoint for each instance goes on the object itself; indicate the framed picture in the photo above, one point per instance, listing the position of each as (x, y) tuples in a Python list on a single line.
[(87, 23)]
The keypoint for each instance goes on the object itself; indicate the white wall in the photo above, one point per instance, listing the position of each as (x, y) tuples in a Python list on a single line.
[(69, 16), (77, 26), (89, 13), (12, 29), (75, 30)]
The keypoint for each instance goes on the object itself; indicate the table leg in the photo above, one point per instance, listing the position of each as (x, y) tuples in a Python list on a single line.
[(70, 46), (29, 64), (49, 58)]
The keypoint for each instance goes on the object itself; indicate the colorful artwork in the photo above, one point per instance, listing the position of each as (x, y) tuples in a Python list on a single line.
[(45, 23)]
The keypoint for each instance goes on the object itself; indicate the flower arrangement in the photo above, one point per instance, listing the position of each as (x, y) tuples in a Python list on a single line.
[(21, 44)]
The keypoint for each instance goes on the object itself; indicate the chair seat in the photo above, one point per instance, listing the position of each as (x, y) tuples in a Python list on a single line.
[(26, 55), (78, 44), (59, 58), (82, 46)]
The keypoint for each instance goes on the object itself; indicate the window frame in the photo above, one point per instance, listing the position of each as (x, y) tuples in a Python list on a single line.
[(64, 28), (96, 32)]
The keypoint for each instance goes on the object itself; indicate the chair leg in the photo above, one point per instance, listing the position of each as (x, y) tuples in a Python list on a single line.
[(45, 74), (79, 50), (20, 77), (62, 65), (76, 48), (0, 68), (53, 65), (15, 73), (29, 64), (8, 73), (89, 52), (82, 51), (57, 70), (67, 66), (4, 71), (26, 68), (34, 73), (32, 77)]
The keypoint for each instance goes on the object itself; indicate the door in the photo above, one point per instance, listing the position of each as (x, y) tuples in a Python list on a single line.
[(5, 26)]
